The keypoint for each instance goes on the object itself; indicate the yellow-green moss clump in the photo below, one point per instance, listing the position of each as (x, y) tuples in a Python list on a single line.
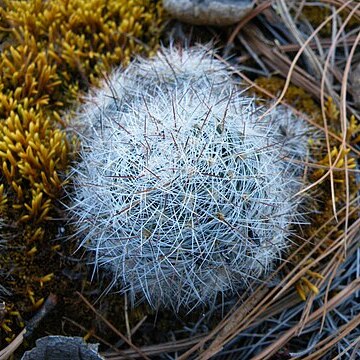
[(302, 101), (50, 52), (317, 14)]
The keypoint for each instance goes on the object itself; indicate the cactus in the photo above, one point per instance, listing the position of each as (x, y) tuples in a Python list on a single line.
[(182, 190)]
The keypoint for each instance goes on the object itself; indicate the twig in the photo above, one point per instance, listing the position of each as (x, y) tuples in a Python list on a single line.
[(258, 10), (49, 304), (29, 328), (127, 317)]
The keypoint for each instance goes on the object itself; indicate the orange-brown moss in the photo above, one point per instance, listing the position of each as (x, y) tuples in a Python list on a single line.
[(51, 52), (295, 96), (316, 14)]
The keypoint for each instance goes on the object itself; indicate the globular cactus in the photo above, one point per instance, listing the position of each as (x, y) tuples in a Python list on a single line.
[(183, 191)]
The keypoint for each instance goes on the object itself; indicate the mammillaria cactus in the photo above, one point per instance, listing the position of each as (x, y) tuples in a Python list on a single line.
[(183, 191)]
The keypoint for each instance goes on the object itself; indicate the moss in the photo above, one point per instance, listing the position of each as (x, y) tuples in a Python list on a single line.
[(316, 14), (52, 51), (295, 96)]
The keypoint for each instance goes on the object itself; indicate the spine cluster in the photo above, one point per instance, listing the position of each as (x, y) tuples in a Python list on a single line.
[(184, 191)]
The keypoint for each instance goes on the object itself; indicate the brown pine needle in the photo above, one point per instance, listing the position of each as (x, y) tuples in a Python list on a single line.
[(113, 328)]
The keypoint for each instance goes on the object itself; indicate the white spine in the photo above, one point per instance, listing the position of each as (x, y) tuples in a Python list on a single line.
[(181, 192)]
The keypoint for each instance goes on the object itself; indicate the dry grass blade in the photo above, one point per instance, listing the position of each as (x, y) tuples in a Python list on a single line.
[(336, 300), (331, 340), (11, 348), (344, 125), (154, 350), (298, 54), (277, 61), (242, 318), (322, 257), (258, 10), (285, 15), (113, 328), (322, 99), (228, 326), (325, 43)]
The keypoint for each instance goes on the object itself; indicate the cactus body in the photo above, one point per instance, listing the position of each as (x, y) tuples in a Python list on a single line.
[(181, 191)]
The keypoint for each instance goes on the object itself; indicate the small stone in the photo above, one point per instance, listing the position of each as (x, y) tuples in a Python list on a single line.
[(62, 348), (209, 12)]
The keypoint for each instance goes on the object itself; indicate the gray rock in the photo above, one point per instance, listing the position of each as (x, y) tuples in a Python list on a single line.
[(62, 348), (209, 12)]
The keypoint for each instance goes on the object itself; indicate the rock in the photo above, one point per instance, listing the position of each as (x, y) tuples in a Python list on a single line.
[(62, 348), (209, 12)]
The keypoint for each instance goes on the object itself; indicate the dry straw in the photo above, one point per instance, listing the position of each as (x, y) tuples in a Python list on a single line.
[(324, 266)]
